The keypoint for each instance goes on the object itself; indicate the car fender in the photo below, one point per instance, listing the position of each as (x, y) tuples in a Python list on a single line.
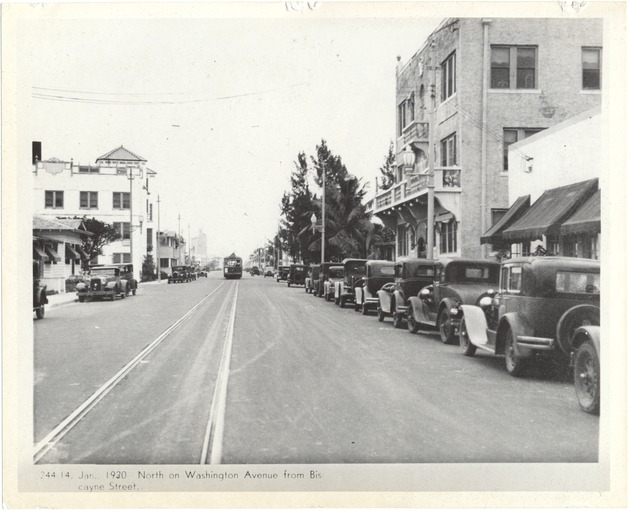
[(570, 319), (358, 295), (417, 309), (476, 324), (385, 301), (123, 283), (398, 301), (81, 286), (337, 289), (519, 326), (448, 304), (584, 334), (110, 285)]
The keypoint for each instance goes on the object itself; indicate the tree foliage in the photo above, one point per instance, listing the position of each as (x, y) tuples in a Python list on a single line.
[(388, 169), (102, 234)]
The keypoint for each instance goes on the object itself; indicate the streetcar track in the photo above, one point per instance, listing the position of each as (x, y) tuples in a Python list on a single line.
[(64, 427), (212, 448)]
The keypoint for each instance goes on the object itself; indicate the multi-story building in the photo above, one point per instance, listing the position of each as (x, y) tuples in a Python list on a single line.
[(199, 248), (172, 250), (115, 190), (474, 88)]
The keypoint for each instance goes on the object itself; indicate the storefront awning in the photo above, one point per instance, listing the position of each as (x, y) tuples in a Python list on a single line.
[(71, 253), (550, 210), (516, 211), (587, 219), (38, 253), (52, 253), (445, 218)]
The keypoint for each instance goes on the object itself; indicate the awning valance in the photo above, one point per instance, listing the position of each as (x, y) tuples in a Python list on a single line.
[(52, 253), (71, 253), (38, 253), (586, 219), (445, 218), (550, 210), (516, 211)]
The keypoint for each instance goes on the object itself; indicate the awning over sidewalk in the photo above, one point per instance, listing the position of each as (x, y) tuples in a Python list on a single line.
[(550, 210), (71, 253), (586, 219), (516, 211)]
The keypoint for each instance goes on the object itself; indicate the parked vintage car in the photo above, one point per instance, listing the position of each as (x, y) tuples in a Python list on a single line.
[(179, 274), (334, 276), (39, 299), (283, 273), (102, 282), (318, 286), (540, 304), (254, 271), (377, 274), (353, 273), (410, 276), (126, 272), (297, 274), (268, 271), (308, 279), (585, 361), (202, 272), (313, 284), (456, 281)]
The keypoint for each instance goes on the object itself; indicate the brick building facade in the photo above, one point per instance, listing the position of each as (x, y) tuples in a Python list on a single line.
[(492, 82)]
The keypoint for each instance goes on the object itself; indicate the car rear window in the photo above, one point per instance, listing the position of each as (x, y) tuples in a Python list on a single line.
[(577, 282), (424, 271), (387, 271)]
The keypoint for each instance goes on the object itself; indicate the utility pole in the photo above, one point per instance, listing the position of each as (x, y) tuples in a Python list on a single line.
[(431, 155), (323, 212), (179, 239), (157, 244), (131, 176), (189, 246)]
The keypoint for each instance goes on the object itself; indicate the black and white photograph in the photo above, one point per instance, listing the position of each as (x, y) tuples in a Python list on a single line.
[(314, 248)]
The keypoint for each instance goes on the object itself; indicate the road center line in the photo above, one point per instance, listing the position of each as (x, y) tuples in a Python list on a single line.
[(216, 421), (48, 442)]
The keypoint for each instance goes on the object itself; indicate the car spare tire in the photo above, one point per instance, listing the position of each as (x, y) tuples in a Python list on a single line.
[(571, 320)]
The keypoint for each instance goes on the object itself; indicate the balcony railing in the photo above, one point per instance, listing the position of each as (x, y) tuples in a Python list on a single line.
[(416, 131), (446, 179)]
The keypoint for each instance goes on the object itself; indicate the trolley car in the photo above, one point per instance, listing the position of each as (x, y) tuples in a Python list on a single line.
[(232, 267)]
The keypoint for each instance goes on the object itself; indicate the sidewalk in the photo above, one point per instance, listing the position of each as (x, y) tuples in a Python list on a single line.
[(63, 298)]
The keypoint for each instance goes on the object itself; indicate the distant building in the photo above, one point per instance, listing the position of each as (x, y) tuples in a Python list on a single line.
[(115, 190), (493, 82), (172, 250), (199, 248)]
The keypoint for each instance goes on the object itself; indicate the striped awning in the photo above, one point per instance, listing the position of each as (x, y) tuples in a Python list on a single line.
[(38, 253), (71, 253), (551, 209), (587, 219), (52, 253), (516, 211)]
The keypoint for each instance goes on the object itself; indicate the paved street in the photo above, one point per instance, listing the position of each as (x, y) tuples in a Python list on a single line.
[(308, 382)]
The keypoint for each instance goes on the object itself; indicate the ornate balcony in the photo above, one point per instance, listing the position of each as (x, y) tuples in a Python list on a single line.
[(416, 132), (446, 180)]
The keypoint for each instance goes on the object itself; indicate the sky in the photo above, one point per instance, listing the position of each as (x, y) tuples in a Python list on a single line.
[(220, 107)]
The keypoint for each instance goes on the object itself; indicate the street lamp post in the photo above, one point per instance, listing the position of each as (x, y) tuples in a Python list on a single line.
[(157, 245)]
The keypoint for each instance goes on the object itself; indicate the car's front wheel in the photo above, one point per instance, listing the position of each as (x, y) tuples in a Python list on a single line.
[(133, 292), (586, 375), (446, 329), (342, 301), (39, 312), (398, 320), (380, 314), (412, 325), (468, 348), (81, 299), (514, 364)]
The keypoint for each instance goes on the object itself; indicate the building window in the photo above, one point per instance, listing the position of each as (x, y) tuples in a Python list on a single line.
[(121, 171), (412, 107), (87, 169), (591, 68), (513, 67), (121, 200), (512, 135), (449, 151), (123, 229), (149, 239), (150, 212), (88, 200), (448, 77), (402, 119), (448, 238), (122, 257), (54, 199)]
